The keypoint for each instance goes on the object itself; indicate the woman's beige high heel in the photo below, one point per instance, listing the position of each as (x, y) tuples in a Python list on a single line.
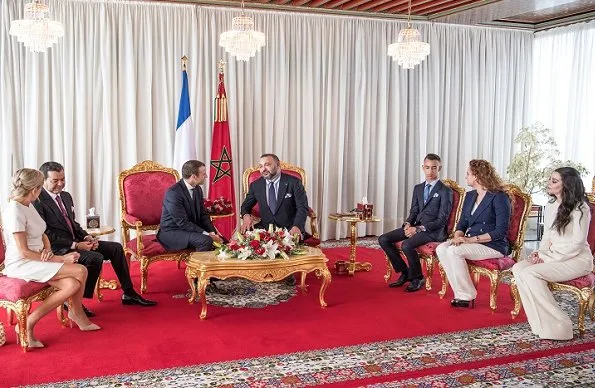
[(32, 343), (90, 327)]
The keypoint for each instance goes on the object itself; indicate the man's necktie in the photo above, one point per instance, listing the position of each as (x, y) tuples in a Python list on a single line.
[(272, 198), (427, 192), (64, 214)]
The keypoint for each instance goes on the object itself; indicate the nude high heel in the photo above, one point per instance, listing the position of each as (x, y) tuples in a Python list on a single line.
[(31, 343), (90, 327)]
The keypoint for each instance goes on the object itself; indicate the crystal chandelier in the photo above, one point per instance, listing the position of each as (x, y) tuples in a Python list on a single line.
[(36, 31), (409, 50), (242, 41)]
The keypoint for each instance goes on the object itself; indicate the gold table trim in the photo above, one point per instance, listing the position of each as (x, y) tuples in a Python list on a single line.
[(96, 232), (201, 266), (354, 266)]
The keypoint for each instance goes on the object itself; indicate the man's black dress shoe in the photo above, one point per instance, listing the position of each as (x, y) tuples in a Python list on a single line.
[(289, 281), (416, 285), (462, 303), (404, 278), (87, 312), (137, 299)]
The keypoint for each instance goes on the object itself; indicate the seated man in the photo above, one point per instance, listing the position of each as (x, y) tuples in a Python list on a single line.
[(427, 221), (184, 219), (56, 207), (281, 199)]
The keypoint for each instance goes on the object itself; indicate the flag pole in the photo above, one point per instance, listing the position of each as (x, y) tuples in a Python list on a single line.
[(184, 62)]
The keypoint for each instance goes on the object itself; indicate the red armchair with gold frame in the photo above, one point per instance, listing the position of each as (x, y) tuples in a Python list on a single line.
[(17, 296), (253, 173), (583, 288), (142, 189), (427, 252), (496, 269)]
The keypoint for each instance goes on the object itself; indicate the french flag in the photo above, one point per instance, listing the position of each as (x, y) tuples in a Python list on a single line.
[(185, 141)]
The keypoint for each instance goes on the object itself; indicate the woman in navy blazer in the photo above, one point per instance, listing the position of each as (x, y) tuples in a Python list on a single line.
[(481, 231)]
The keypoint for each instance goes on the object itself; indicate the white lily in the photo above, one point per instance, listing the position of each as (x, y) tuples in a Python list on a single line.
[(271, 249), (245, 253)]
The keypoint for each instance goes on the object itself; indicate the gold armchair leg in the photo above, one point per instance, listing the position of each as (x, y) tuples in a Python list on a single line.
[(389, 270), (444, 281), (429, 271), (22, 310), (514, 293), (494, 282), (144, 273), (98, 288), (592, 306)]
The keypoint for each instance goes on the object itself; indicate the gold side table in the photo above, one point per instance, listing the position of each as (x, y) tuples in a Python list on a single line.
[(353, 266), (101, 282)]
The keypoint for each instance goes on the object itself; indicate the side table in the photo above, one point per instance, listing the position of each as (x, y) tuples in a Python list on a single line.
[(353, 265), (101, 282)]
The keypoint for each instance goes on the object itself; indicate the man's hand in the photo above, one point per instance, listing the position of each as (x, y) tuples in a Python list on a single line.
[(216, 237), (246, 223), (71, 258), (295, 231), (534, 258), (410, 231), (93, 240), (84, 246)]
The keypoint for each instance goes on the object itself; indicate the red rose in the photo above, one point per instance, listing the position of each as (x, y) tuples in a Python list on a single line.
[(260, 251), (254, 244), (234, 247)]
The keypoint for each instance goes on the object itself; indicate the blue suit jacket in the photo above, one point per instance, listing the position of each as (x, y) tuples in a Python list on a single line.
[(433, 215), (181, 216), (492, 216), (292, 203)]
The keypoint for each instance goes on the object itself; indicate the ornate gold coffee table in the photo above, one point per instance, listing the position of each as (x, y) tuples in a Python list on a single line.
[(201, 266), (353, 265)]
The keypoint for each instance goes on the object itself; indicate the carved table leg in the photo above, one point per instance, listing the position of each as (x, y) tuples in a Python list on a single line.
[(202, 290), (191, 277), (354, 266), (326, 280), (303, 282)]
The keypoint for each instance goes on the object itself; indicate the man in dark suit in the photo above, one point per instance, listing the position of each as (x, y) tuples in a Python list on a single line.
[(427, 221), (56, 207), (184, 219), (281, 199)]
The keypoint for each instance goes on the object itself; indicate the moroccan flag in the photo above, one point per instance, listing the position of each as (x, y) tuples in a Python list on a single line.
[(185, 141), (221, 171)]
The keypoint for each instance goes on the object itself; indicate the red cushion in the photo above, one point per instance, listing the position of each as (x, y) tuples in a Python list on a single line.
[(144, 193), (516, 218), (452, 217), (494, 264), (312, 242), (12, 289), (152, 247), (587, 281)]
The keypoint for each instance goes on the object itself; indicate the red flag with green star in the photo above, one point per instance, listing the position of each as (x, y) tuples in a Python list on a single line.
[(221, 171)]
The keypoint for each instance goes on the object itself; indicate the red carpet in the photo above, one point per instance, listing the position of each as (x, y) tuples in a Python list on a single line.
[(361, 309)]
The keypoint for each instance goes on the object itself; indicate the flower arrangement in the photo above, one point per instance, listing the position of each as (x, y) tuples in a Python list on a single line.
[(260, 244), (219, 206)]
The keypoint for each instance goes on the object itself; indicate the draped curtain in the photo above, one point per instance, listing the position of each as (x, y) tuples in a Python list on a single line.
[(563, 96), (322, 94)]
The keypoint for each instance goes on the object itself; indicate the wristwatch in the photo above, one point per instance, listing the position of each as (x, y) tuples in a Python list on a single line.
[(420, 228)]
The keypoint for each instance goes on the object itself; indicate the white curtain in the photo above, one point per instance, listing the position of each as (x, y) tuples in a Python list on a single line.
[(564, 89), (322, 94)]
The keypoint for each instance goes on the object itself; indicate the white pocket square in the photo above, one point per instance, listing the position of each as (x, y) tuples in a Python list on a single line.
[(288, 195), (435, 195)]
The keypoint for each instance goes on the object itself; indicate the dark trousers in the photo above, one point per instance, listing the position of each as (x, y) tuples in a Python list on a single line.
[(93, 260), (200, 242), (387, 242)]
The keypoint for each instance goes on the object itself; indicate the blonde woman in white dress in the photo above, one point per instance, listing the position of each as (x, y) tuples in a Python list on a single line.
[(29, 255), (562, 255)]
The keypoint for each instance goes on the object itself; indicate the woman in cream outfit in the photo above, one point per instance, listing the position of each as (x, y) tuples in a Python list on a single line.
[(563, 255), (29, 255)]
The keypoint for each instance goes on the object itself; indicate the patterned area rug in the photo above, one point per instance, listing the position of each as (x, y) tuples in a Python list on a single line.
[(393, 360), (244, 293)]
